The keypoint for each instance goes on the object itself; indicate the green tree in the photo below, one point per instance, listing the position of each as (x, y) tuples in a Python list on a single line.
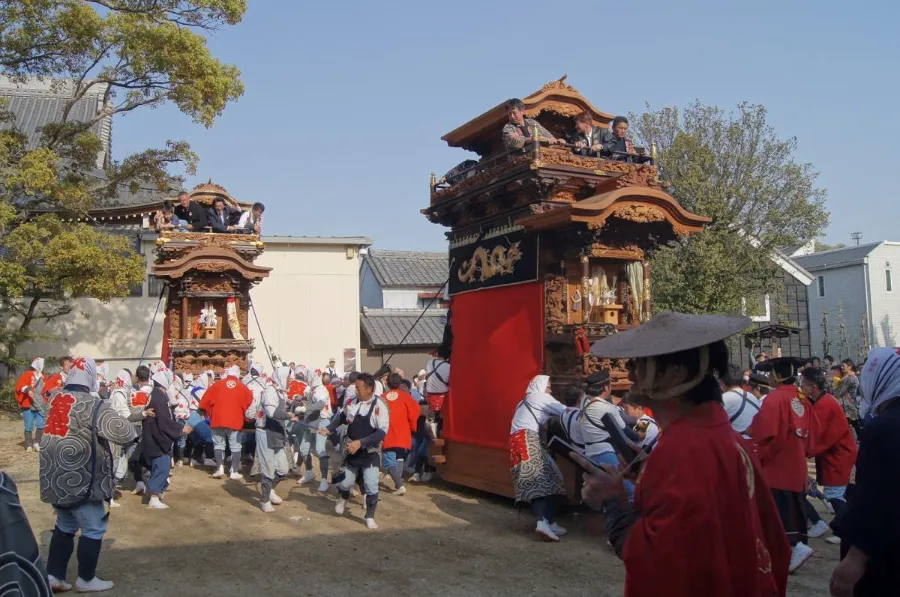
[(137, 54), (733, 168)]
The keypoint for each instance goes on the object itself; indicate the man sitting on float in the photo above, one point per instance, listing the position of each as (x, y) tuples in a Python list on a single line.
[(617, 145), (588, 139), (519, 130)]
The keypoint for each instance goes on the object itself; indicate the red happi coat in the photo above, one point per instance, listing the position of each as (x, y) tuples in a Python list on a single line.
[(28, 380), (708, 523), (781, 432), (296, 389), (832, 445), (55, 382)]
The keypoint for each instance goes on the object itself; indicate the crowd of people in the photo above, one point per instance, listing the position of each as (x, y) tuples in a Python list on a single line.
[(708, 492), (700, 469), (93, 431), (191, 216)]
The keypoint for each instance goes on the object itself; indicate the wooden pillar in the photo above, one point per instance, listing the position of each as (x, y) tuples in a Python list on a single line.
[(646, 297), (184, 318)]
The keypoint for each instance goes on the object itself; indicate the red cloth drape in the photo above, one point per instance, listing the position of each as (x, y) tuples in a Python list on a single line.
[(498, 346), (165, 341)]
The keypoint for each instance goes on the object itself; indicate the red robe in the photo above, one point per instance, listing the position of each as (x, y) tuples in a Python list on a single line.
[(781, 432), (55, 382), (833, 445), (708, 523), (226, 401), (29, 380)]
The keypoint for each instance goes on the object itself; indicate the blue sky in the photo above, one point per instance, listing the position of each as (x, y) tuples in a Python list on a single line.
[(346, 102)]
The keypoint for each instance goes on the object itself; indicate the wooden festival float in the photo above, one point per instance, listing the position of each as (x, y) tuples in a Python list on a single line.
[(209, 277), (548, 253)]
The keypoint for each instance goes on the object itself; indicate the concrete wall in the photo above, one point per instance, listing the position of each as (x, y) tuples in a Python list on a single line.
[(844, 290), (308, 309), (402, 298), (885, 304), (411, 360)]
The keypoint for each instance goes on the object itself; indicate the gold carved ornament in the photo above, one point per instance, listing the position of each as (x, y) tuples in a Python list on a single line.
[(500, 261), (642, 214)]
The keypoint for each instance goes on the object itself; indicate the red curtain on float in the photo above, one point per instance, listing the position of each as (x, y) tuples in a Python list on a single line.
[(165, 341), (498, 347)]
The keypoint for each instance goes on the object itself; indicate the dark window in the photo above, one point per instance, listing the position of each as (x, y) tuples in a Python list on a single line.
[(154, 286), (887, 280), (820, 281)]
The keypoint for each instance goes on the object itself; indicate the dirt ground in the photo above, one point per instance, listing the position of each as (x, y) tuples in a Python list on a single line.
[(435, 540)]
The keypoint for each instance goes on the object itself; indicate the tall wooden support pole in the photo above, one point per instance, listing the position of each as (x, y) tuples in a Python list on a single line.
[(184, 318), (646, 298)]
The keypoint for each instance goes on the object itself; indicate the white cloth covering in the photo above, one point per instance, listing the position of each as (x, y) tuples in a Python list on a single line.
[(537, 406)]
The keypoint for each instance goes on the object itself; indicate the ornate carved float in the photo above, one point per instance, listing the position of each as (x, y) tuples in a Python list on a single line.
[(209, 277), (582, 227)]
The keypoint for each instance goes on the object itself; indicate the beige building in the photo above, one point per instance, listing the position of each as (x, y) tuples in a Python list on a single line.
[(308, 309)]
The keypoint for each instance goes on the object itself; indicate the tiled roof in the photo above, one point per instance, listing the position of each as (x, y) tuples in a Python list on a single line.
[(37, 103), (393, 269), (836, 257), (387, 327)]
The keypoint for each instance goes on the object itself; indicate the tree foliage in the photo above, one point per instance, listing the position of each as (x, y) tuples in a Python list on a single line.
[(733, 168), (133, 54)]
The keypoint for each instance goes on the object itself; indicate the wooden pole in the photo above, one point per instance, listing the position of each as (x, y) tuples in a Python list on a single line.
[(184, 318), (646, 297)]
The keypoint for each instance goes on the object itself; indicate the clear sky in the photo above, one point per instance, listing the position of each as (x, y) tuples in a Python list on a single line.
[(346, 102)]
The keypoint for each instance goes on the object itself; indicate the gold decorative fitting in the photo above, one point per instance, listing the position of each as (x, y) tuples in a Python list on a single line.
[(501, 260)]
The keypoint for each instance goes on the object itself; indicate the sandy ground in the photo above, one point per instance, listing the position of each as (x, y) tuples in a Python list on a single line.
[(435, 540)]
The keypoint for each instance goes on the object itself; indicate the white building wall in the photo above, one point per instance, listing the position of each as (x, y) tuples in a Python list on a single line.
[(885, 304), (844, 289), (309, 306), (402, 298), (369, 290)]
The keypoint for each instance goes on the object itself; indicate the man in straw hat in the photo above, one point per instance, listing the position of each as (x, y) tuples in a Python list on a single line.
[(780, 431), (703, 521)]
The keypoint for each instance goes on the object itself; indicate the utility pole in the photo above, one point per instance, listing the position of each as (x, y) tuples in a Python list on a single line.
[(856, 236)]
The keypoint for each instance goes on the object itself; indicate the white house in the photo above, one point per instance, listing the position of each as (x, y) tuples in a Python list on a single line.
[(395, 288), (854, 293)]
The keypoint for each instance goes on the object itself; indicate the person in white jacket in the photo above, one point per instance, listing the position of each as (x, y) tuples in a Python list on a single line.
[(536, 478), (120, 401), (318, 416)]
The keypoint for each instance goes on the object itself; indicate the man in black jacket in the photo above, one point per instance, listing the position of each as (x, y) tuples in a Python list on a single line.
[(191, 212), (587, 138), (219, 217), (159, 435)]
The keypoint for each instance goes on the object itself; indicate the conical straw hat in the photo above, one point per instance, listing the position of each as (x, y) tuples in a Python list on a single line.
[(667, 333)]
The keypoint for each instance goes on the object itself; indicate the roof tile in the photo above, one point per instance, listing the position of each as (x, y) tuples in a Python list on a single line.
[(387, 327), (394, 269)]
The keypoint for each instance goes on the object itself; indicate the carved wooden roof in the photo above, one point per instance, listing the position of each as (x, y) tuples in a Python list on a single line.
[(211, 259), (206, 193), (482, 133), (639, 204)]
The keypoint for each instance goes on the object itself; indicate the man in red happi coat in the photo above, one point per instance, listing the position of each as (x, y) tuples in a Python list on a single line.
[(703, 521), (781, 432), (832, 443)]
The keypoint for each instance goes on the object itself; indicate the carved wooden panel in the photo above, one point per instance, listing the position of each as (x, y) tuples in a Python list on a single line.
[(555, 304)]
